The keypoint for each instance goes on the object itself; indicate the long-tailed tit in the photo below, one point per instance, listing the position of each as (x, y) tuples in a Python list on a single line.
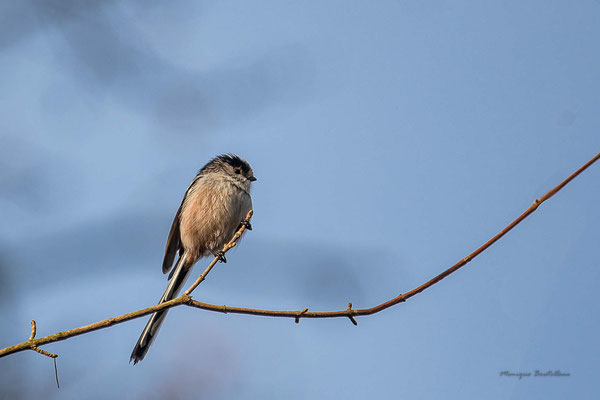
[(214, 205)]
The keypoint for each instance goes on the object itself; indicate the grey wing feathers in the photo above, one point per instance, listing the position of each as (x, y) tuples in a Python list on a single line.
[(173, 243), (174, 240)]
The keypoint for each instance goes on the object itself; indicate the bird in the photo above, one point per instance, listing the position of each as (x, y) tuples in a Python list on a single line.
[(213, 208)]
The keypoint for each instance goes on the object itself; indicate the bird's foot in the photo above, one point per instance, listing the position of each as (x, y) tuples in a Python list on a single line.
[(246, 223), (221, 256)]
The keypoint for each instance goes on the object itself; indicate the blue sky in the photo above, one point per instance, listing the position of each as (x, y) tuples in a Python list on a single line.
[(390, 139)]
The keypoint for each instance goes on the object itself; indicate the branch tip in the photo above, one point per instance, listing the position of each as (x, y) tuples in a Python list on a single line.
[(33, 330), (44, 352)]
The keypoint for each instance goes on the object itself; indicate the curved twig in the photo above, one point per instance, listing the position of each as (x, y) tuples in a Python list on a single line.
[(185, 299)]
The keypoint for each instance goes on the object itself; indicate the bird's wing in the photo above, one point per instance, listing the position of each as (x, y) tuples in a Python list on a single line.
[(174, 240), (173, 243)]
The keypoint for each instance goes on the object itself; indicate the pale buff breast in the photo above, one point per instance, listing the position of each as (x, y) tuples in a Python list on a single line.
[(212, 212)]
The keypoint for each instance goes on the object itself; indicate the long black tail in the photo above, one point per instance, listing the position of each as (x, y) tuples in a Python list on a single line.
[(177, 279)]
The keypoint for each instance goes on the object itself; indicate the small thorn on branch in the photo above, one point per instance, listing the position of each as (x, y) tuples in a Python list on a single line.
[(300, 314), (350, 316)]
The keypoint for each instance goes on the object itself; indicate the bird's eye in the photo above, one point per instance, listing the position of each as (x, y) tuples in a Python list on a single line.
[(238, 171)]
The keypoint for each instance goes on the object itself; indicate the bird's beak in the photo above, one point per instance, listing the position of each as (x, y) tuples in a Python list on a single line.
[(251, 178)]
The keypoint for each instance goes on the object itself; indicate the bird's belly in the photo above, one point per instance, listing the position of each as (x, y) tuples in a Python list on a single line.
[(209, 218)]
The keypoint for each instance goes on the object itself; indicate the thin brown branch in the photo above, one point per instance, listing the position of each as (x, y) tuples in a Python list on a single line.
[(350, 313), (57, 337), (403, 296)]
